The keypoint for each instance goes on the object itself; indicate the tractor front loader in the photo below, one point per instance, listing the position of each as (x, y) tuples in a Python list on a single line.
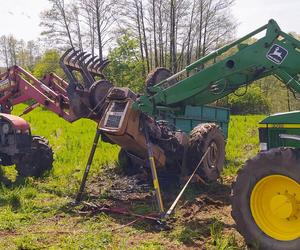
[(88, 94), (169, 131)]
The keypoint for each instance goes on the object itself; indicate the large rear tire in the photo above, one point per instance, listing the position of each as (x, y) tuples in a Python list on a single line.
[(157, 76), (266, 200), (38, 161), (201, 137)]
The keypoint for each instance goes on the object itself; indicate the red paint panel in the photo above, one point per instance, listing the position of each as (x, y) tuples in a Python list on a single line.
[(17, 122)]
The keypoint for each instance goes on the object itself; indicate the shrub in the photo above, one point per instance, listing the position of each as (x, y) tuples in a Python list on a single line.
[(252, 102)]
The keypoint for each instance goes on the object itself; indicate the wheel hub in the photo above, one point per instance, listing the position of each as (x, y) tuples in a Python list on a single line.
[(212, 156), (275, 207), (283, 206)]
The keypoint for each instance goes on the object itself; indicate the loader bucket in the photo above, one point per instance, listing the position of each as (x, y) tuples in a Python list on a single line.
[(88, 86)]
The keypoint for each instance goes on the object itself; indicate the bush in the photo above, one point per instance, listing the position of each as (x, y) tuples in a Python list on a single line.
[(252, 102), (47, 64)]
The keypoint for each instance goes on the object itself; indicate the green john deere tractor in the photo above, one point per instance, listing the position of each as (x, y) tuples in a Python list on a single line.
[(266, 194)]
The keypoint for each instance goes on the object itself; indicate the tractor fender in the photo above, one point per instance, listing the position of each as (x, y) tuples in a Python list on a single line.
[(18, 123)]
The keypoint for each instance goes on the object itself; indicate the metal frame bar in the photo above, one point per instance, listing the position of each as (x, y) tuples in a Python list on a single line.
[(151, 162), (289, 137)]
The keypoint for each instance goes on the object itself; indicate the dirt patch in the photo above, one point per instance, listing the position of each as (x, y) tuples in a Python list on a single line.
[(196, 213)]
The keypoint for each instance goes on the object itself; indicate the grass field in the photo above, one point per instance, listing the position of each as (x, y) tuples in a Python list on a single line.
[(35, 213)]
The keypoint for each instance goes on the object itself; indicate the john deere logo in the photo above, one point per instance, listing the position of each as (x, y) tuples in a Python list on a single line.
[(277, 54)]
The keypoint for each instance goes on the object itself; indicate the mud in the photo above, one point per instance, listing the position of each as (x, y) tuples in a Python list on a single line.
[(200, 207)]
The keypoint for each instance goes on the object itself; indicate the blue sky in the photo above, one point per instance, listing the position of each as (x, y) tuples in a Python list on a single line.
[(21, 17)]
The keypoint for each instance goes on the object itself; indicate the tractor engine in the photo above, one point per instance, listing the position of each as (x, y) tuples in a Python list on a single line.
[(123, 125), (15, 138), (93, 96)]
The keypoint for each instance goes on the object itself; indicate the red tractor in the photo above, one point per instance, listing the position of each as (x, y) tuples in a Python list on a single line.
[(32, 154)]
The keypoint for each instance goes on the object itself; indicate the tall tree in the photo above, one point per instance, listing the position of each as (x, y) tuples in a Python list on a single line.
[(4, 50), (173, 60), (12, 44), (77, 25), (154, 2), (101, 18), (57, 22)]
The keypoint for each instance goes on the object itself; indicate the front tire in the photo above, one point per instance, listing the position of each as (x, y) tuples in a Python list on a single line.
[(38, 161), (266, 200), (126, 164), (203, 136)]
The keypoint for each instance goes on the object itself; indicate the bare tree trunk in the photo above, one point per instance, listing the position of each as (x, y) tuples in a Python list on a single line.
[(151, 53), (207, 17), (12, 50), (160, 35), (90, 21), (4, 49), (173, 65), (138, 19), (166, 46), (97, 5), (154, 34), (189, 45), (199, 41), (144, 37), (76, 17), (61, 6)]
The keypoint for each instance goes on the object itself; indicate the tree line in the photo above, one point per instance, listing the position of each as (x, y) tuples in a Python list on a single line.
[(139, 36), (18, 52), (169, 33), (156, 33)]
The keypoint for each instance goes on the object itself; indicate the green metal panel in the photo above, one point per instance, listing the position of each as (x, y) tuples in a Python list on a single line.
[(222, 115), (194, 115), (183, 124), (283, 118), (275, 141), (196, 123), (209, 114), (195, 111), (224, 126), (282, 123)]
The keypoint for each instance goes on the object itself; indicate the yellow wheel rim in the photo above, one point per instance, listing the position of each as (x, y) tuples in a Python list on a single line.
[(275, 207)]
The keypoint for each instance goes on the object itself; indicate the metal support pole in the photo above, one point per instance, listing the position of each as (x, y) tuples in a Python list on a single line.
[(88, 166), (153, 169)]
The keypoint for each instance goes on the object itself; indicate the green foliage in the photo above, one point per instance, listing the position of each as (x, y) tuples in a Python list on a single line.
[(126, 67), (253, 101), (220, 241), (242, 142), (48, 63), (188, 236)]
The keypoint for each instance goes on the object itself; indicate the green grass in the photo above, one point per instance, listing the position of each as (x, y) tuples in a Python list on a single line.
[(34, 213), (242, 142), (219, 241)]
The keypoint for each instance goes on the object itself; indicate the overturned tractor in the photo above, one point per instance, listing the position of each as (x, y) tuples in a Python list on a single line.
[(89, 94)]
